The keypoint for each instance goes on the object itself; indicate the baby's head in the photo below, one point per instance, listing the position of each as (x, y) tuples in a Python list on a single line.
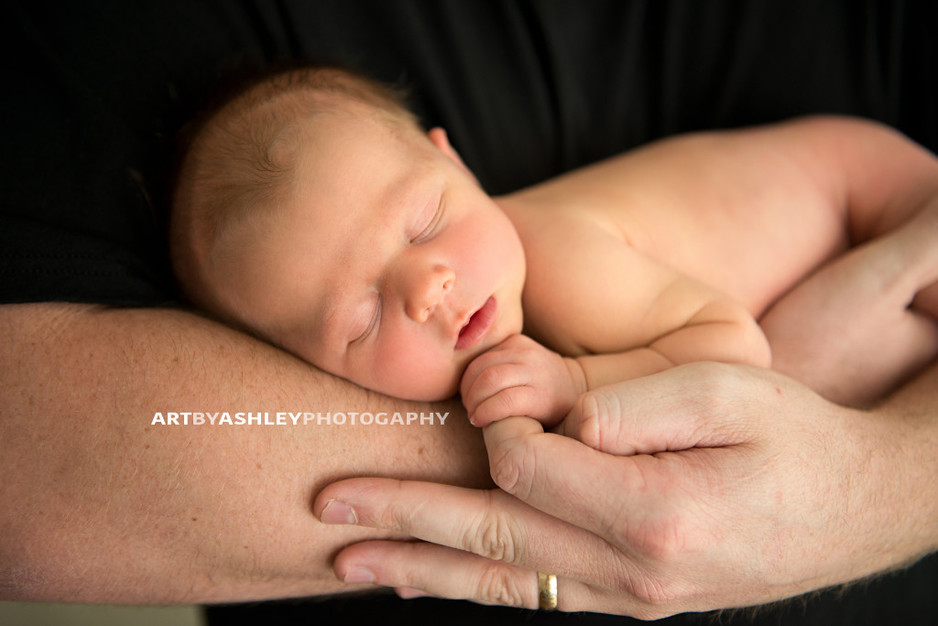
[(313, 211)]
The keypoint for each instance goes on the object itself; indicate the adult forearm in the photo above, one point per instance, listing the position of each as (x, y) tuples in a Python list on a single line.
[(99, 503), (887, 488), (914, 420)]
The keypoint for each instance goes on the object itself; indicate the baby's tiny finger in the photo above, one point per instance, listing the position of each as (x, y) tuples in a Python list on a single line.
[(511, 402)]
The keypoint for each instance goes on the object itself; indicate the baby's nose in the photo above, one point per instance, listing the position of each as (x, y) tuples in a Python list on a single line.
[(427, 291)]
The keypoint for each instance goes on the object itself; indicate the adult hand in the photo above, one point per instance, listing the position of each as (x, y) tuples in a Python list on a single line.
[(702, 487), (866, 321)]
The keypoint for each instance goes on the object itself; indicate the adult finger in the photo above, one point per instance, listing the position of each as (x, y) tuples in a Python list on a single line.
[(447, 573), (685, 407), (590, 574), (491, 523), (635, 503), (678, 424), (416, 569)]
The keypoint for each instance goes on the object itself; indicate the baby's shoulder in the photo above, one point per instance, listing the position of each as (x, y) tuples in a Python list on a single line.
[(575, 259)]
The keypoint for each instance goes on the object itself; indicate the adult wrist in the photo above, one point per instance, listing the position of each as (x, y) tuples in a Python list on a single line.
[(901, 497)]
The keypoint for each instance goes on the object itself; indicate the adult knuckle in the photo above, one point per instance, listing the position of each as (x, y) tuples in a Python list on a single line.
[(661, 539), (604, 422), (395, 517), (661, 596), (652, 609), (658, 542), (498, 584), (656, 594), (493, 535), (593, 413)]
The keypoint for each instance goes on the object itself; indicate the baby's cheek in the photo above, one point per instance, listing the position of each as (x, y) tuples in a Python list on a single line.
[(412, 377), (437, 386)]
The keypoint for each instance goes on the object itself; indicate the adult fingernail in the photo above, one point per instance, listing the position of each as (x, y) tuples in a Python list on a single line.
[(358, 574), (338, 512)]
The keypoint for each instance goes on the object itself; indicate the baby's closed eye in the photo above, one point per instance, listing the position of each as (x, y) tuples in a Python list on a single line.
[(370, 317), (432, 225)]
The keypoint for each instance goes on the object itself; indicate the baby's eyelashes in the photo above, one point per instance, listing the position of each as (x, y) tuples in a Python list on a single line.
[(432, 226), (372, 325)]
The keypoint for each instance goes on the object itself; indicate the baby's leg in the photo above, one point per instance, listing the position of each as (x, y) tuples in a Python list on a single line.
[(873, 310)]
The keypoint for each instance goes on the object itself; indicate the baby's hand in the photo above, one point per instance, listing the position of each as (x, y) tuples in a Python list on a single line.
[(520, 377)]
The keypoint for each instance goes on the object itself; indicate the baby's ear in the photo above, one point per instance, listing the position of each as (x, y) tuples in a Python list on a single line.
[(439, 139)]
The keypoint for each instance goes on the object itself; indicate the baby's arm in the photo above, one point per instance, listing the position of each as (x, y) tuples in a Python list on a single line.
[(637, 322), (718, 330)]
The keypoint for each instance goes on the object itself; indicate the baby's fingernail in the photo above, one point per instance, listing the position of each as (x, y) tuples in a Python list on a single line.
[(338, 512), (358, 574)]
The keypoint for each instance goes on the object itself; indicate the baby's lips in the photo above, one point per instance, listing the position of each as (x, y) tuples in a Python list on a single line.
[(478, 325)]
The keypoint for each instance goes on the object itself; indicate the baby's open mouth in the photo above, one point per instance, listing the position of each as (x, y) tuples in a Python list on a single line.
[(477, 326)]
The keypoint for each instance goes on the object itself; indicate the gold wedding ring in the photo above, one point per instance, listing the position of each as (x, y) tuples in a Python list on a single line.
[(546, 591)]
